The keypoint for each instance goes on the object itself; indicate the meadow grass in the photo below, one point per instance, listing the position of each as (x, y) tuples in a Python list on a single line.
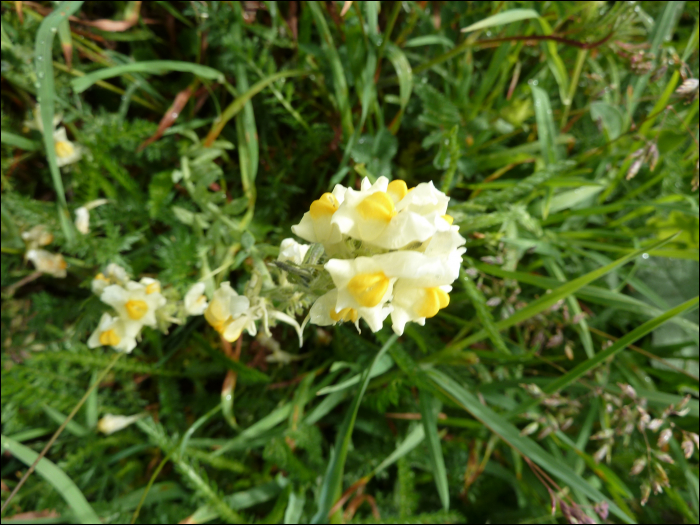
[(559, 385)]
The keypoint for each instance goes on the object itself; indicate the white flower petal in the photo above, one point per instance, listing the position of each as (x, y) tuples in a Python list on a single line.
[(195, 301), (82, 220), (291, 250)]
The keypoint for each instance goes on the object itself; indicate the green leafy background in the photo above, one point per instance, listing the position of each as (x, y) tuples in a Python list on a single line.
[(531, 119)]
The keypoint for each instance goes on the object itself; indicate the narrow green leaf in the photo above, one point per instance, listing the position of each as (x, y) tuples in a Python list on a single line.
[(403, 70), (91, 409), (332, 485), (241, 500), (574, 307), (412, 440), (340, 83), (619, 345), (58, 417), (610, 116), (12, 139), (437, 462), (270, 421), (556, 64), (295, 507), (378, 368), (154, 67), (82, 511), (546, 129), (429, 40), (526, 446), (479, 303), (507, 17)]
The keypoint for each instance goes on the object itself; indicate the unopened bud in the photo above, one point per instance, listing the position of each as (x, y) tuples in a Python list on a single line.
[(664, 437), (665, 458), (601, 453), (110, 423), (530, 429), (655, 424), (646, 492), (638, 466)]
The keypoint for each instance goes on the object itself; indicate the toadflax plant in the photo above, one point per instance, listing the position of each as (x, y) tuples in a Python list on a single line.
[(388, 251)]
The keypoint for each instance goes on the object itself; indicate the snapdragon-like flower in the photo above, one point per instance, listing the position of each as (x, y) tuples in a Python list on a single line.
[(195, 300), (136, 303), (116, 332), (228, 313), (316, 224), (66, 151), (394, 252), (47, 262), (36, 237)]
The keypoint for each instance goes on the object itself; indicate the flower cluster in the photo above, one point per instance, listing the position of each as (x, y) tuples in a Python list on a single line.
[(393, 251), (137, 304)]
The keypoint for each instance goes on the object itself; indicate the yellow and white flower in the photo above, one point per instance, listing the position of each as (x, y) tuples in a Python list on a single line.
[(195, 300), (416, 303), (136, 303), (228, 313), (66, 151), (82, 220), (410, 285), (115, 332), (47, 262), (324, 312), (316, 224), (292, 251), (389, 216), (361, 282), (37, 236)]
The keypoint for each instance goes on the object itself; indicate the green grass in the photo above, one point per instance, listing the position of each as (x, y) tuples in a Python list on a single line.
[(211, 127)]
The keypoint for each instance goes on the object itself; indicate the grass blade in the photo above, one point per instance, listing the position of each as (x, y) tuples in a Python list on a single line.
[(43, 59), (154, 67), (414, 438), (403, 70), (73, 427), (507, 17), (429, 420), (340, 84), (333, 480), (548, 300), (479, 304), (546, 130), (82, 511), (600, 357), (511, 435), (18, 141)]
